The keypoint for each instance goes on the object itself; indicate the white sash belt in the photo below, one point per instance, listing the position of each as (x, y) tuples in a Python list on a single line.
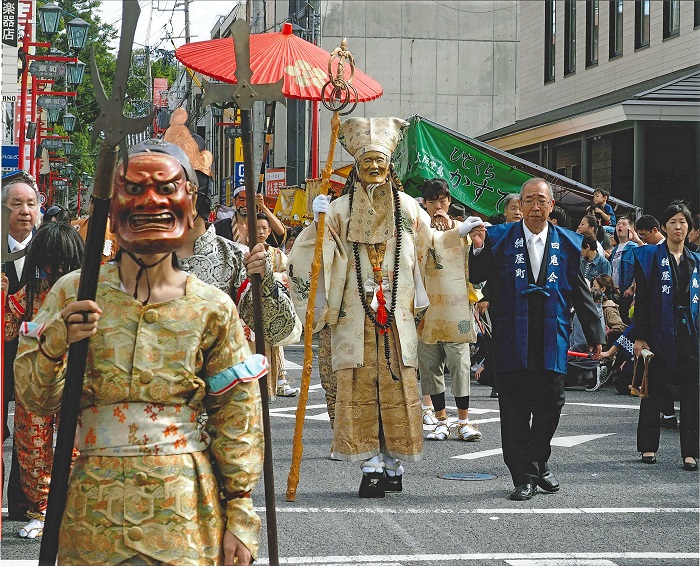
[(138, 429)]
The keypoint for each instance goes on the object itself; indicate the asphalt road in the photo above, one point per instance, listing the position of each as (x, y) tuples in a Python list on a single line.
[(611, 509)]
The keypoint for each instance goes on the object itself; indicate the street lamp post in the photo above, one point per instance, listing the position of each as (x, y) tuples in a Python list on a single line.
[(49, 18)]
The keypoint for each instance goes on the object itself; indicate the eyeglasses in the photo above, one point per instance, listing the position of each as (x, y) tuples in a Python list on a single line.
[(529, 202)]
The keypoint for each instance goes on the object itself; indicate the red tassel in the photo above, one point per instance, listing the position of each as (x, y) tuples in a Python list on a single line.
[(382, 315)]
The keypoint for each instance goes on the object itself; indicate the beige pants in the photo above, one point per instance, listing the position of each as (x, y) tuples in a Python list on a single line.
[(374, 413), (432, 359)]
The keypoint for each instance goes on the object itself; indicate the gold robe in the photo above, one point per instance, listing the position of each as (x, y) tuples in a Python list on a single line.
[(163, 506), (366, 391)]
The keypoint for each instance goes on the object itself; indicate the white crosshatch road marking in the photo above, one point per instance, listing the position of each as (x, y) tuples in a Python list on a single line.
[(562, 441), (513, 559), (503, 511), (563, 562), (533, 559)]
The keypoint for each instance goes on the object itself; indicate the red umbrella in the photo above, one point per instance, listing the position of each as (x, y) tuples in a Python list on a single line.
[(273, 56)]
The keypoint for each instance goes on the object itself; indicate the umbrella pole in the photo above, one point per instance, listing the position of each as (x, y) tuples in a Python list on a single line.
[(267, 147), (255, 281), (298, 447), (314, 139)]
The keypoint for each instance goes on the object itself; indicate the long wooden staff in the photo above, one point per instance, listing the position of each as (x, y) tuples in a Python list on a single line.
[(244, 94), (115, 126), (298, 447), (336, 95)]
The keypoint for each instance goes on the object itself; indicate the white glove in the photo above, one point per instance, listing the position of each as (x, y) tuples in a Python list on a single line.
[(320, 205), (469, 224)]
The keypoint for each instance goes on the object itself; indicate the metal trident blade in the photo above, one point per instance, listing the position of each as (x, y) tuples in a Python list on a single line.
[(111, 119), (243, 93)]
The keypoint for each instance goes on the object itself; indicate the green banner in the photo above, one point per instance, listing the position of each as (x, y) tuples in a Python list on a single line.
[(479, 181)]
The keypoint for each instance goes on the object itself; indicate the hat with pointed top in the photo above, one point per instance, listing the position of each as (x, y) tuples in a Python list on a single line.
[(360, 135)]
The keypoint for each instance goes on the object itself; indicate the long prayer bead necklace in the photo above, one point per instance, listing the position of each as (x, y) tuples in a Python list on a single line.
[(369, 311)]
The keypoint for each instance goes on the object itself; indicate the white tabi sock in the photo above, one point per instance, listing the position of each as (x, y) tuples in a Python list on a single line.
[(373, 465), (393, 466)]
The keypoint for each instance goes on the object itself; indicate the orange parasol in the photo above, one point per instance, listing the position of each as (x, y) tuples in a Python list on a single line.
[(273, 56)]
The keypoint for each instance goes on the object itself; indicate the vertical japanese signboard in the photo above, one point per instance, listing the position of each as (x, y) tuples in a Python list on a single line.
[(10, 14), (238, 170), (275, 180)]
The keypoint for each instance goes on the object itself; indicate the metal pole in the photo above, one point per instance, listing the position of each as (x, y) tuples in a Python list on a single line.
[(77, 359), (22, 140), (255, 280), (188, 80)]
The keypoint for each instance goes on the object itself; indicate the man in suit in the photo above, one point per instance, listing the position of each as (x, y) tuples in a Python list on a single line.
[(534, 275), (21, 196)]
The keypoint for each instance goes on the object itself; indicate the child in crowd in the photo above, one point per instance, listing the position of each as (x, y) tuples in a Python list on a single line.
[(602, 210), (614, 326)]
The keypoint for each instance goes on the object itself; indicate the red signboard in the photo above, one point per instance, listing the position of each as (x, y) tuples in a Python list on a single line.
[(160, 100), (275, 179)]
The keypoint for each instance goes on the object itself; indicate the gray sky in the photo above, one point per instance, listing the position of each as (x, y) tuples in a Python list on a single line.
[(158, 20)]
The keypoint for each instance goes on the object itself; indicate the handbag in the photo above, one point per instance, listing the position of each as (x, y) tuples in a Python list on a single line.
[(640, 374)]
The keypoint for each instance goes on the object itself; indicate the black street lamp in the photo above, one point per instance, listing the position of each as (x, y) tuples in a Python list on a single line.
[(54, 114), (77, 33), (75, 72), (68, 170), (49, 18), (68, 122)]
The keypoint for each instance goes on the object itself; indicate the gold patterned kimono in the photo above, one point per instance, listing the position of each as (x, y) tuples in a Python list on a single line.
[(145, 484), (374, 413)]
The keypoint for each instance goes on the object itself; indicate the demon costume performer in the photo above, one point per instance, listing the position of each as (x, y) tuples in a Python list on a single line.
[(152, 484), (226, 264), (371, 284)]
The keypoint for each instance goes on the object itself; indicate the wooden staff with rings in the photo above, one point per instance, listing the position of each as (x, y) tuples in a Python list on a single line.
[(336, 95)]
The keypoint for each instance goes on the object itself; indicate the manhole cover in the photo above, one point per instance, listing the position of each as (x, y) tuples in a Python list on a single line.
[(467, 476)]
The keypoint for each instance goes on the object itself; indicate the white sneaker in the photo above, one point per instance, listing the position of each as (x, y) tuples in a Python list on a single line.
[(598, 383), (429, 417), (466, 432), (286, 390), (441, 432)]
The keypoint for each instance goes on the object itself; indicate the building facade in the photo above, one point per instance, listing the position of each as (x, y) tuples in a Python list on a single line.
[(609, 95), (453, 62)]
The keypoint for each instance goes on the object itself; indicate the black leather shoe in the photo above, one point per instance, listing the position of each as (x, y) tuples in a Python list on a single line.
[(372, 485), (523, 492), (393, 484), (649, 459), (690, 466), (671, 423), (548, 482)]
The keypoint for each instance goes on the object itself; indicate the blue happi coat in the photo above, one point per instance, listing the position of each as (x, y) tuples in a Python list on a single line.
[(654, 263), (509, 285)]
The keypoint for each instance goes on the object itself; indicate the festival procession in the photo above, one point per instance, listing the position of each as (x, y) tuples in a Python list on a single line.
[(249, 246)]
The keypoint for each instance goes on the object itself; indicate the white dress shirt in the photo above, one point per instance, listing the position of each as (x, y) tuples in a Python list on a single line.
[(15, 246), (535, 248)]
